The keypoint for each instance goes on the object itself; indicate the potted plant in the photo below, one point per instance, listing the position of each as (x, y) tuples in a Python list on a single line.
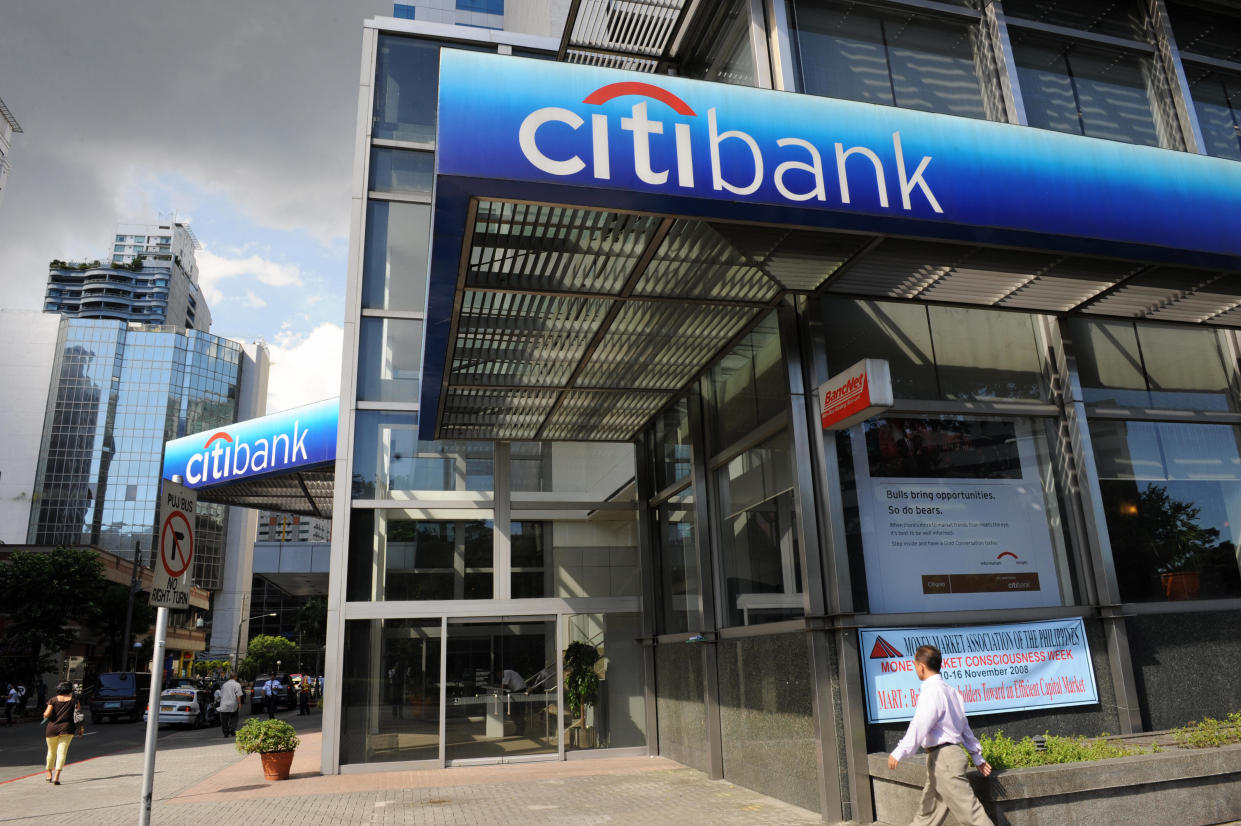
[(581, 688), (274, 740)]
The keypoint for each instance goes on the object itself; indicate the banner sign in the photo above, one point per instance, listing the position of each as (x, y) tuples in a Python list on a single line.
[(996, 668), (953, 515), (855, 395), (278, 443), (840, 163)]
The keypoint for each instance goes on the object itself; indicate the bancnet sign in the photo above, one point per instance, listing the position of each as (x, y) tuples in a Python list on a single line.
[(855, 395)]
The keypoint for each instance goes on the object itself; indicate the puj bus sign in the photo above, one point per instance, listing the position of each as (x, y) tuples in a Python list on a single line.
[(301, 437), (713, 149)]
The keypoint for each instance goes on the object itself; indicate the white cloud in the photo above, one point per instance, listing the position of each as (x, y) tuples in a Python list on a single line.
[(214, 269), (305, 368)]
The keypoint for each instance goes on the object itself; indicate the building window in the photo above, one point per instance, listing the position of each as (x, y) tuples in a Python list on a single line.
[(573, 559), (680, 581), (481, 6), (389, 359), (721, 50), (1217, 100), (1172, 498), (397, 555), (858, 52), (747, 387), (406, 85), (403, 12), (394, 267), (400, 170), (1085, 90), (758, 536), (941, 353), (1123, 364), (672, 452), (389, 460)]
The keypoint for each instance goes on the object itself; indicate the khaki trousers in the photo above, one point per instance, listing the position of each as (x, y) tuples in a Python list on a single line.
[(947, 790), (57, 751)]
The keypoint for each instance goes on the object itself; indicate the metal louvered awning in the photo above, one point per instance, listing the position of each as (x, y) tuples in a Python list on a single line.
[(637, 35), (580, 324)]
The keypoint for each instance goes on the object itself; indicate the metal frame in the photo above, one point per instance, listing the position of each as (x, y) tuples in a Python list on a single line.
[(1182, 98)]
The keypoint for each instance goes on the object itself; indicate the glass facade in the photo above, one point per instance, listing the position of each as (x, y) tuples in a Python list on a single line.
[(117, 394)]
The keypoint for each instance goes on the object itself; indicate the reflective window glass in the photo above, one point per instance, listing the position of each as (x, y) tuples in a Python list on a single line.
[(1148, 365), (1118, 18), (389, 359), (406, 87), (858, 52), (747, 387), (721, 50), (1084, 90), (389, 460), (394, 266), (1217, 100), (1172, 496), (758, 542), (672, 458), (678, 557), (390, 691), (401, 170), (571, 559), (397, 555), (583, 471)]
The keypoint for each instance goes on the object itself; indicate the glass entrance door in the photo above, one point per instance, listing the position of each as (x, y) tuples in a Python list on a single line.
[(501, 690)]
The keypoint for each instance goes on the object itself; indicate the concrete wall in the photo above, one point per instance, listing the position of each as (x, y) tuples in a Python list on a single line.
[(27, 350)]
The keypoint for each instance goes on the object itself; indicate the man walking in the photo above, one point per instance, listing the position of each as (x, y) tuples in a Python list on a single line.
[(939, 726), (230, 697), (273, 689)]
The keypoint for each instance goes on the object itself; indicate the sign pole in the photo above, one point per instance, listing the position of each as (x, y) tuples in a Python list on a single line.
[(148, 767)]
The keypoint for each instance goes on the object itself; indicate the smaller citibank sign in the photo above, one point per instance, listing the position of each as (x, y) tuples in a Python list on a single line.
[(279, 443), (856, 394), (996, 668)]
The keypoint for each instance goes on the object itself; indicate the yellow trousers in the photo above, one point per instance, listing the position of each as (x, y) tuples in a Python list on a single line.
[(57, 751)]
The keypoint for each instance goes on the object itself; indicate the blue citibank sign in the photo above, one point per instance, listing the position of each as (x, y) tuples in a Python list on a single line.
[(678, 146), (279, 443)]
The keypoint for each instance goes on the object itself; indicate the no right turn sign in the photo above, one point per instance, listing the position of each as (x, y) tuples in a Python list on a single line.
[(171, 585)]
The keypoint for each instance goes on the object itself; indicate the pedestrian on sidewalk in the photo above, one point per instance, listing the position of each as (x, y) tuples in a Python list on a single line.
[(10, 703), (273, 688), (61, 725), (230, 698), (939, 726), (303, 699)]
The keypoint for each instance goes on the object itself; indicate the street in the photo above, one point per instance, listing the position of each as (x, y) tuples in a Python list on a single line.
[(23, 749)]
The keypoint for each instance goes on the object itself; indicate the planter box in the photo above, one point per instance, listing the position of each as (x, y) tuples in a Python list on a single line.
[(1186, 787)]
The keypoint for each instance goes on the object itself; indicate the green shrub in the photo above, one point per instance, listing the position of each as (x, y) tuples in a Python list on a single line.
[(1005, 753), (1209, 733), (266, 736)]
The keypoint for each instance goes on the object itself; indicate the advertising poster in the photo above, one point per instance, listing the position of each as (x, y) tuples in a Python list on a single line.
[(953, 515), (996, 668)]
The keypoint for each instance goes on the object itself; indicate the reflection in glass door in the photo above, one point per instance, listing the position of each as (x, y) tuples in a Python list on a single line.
[(501, 686)]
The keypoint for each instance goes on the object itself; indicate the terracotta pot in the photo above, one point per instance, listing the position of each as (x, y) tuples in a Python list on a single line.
[(1181, 585), (276, 764)]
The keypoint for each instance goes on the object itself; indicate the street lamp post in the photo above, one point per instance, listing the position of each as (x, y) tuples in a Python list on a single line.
[(237, 649)]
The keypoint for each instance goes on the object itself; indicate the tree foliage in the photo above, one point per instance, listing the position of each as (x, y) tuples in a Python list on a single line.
[(581, 682), (264, 651), (43, 594), (113, 603)]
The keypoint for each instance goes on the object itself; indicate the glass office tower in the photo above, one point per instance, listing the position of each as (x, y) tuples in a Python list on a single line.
[(118, 393)]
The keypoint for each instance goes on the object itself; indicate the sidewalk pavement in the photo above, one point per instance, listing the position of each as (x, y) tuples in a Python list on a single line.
[(200, 778)]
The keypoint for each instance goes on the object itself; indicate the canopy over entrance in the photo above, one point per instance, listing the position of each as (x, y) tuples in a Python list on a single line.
[(599, 240), (282, 462)]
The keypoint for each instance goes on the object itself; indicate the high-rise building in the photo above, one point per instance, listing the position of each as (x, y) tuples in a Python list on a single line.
[(536, 17), (284, 527), (8, 125), (150, 276), (118, 392)]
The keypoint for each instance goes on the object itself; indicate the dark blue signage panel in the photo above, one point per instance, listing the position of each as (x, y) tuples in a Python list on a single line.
[(279, 443), (666, 142)]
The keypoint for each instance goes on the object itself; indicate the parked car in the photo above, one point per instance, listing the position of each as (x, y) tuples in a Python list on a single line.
[(186, 705), (287, 698), (119, 694)]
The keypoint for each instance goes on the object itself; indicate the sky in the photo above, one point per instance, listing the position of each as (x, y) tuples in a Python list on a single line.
[(238, 117)]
